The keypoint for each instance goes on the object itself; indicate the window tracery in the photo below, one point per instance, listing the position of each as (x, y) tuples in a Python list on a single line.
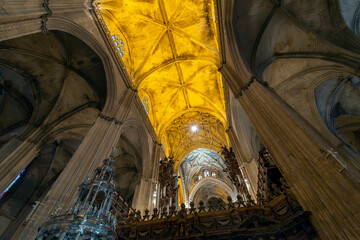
[(213, 174), (145, 103), (119, 44), (206, 173)]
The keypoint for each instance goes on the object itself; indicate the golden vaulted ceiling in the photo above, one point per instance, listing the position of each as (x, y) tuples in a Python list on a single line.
[(171, 52)]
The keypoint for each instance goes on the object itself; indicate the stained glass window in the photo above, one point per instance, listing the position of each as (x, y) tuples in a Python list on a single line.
[(206, 173), (213, 174), (119, 44), (145, 102), (12, 183), (199, 177)]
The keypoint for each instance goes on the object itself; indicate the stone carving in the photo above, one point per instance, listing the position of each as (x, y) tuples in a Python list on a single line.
[(109, 119)]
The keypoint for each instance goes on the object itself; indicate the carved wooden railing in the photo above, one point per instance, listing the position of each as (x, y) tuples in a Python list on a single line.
[(281, 218)]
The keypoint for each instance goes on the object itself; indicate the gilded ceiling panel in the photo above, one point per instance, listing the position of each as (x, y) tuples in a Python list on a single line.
[(171, 52)]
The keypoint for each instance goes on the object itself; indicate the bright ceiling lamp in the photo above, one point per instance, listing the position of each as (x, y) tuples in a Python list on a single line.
[(194, 128)]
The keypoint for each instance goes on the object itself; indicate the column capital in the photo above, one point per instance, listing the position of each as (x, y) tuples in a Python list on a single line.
[(109, 119)]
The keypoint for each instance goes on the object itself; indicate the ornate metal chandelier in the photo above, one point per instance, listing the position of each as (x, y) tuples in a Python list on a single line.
[(89, 216)]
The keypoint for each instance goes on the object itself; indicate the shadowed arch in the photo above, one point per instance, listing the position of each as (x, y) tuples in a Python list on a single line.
[(214, 181)]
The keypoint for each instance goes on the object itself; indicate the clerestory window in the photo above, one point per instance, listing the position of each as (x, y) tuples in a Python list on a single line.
[(119, 44), (145, 103)]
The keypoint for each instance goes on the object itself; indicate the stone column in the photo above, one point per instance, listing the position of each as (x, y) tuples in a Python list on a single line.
[(95, 147), (14, 11), (15, 142), (251, 170), (247, 167), (144, 190), (157, 155), (155, 161), (143, 194), (17, 155), (21, 10), (320, 183)]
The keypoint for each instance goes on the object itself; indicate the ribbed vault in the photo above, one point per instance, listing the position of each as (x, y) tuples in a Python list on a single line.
[(181, 140), (201, 169), (171, 52), (55, 80)]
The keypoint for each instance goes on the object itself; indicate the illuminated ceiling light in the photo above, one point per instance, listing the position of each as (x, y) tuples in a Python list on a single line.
[(194, 128)]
